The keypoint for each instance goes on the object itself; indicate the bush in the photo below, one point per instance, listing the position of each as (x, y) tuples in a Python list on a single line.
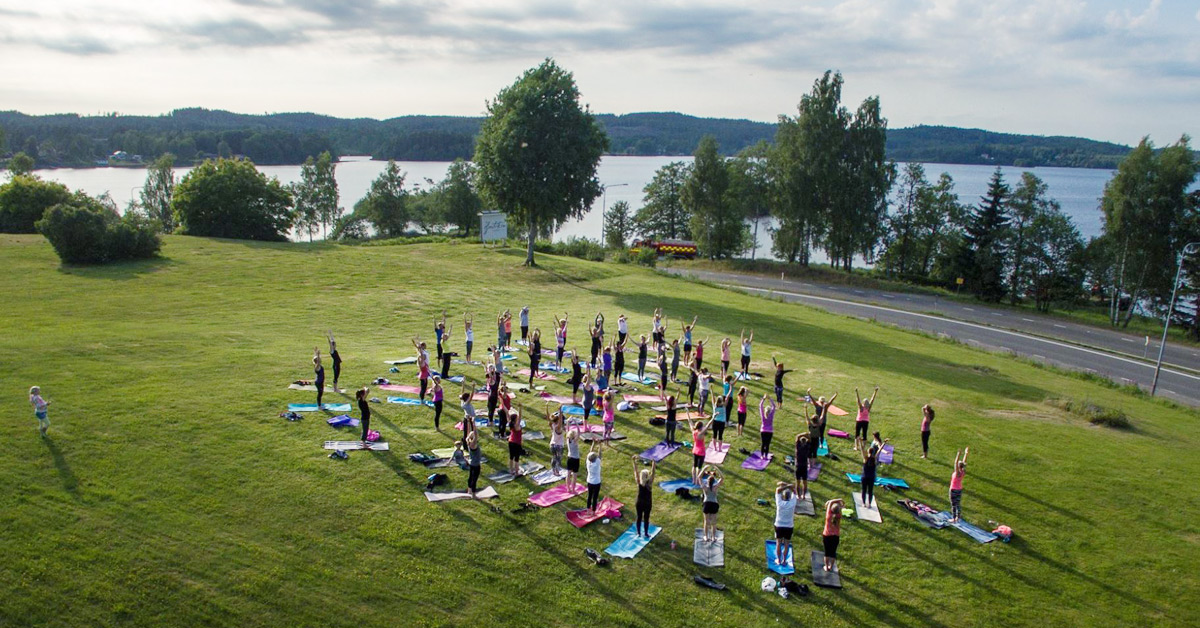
[(647, 256), (25, 199), (583, 248), (1095, 414), (230, 198), (84, 231)]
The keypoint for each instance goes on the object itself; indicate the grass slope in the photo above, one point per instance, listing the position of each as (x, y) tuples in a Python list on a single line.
[(169, 493)]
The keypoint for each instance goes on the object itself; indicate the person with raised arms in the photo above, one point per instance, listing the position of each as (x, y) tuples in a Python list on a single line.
[(474, 459), (492, 385), (606, 362), (785, 520), (727, 395), (560, 339), (662, 372), (956, 484), (557, 438), (576, 374), (742, 394), (766, 429), (337, 361), (710, 480), (814, 435), (658, 330), (446, 354), (619, 362), (422, 366), (523, 315), (468, 409), (595, 465), (926, 425), (507, 328), (779, 373), (705, 381), (439, 331), (675, 360), (505, 410), (719, 418), (644, 478), (500, 340), (831, 535), (862, 421), (318, 375), (698, 429), (870, 457), (803, 454), (622, 328), (438, 397), (746, 343), (514, 435), (699, 355), (725, 356), (687, 338), (535, 354), (469, 333), (597, 333), (820, 410), (609, 416), (572, 457)]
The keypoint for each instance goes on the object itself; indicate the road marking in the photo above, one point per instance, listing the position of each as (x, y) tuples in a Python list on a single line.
[(1060, 326), (997, 314), (1028, 320), (859, 292), (1169, 392), (968, 324), (888, 296), (969, 309), (1127, 340), (1040, 357)]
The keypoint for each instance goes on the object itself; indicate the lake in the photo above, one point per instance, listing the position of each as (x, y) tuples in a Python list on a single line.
[(1078, 190)]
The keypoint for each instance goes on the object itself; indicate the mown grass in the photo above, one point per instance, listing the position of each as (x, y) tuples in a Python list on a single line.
[(170, 493)]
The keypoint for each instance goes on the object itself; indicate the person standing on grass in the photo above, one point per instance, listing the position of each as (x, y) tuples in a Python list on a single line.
[(500, 344), (576, 375), (606, 362), (535, 354), (687, 338), (862, 422), (814, 435), (831, 535), (446, 354), (40, 408), (337, 361), (560, 340), (803, 453), (507, 328), (365, 410), (698, 428), (619, 362), (710, 480), (468, 409), (956, 484), (725, 357), (439, 333), (319, 373), (746, 343), (741, 409), (643, 353), (438, 396), (474, 459), (870, 463), (609, 416), (719, 417), (699, 359), (505, 412), (675, 360), (597, 334), (644, 479), (820, 411), (779, 373), (705, 381), (672, 420), (492, 384), (469, 333), (558, 438), (589, 397), (926, 424), (662, 372), (595, 464), (514, 442), (572, 458), (766, 414), (785, 520), (622, 328), (523, 315)]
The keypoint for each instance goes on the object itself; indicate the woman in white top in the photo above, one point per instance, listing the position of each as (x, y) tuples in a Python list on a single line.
[(557, 439), (785, 520), (594, 463), (622, 328), (469, 327)]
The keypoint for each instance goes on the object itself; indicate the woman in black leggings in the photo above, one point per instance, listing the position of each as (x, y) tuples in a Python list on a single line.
[(365, 411), (319, 372), (644, 478), (337, 361), (870, 460), (926, 423)]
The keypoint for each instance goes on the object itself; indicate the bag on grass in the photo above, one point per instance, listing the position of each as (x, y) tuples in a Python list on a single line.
[(437, 479), (372, 436)]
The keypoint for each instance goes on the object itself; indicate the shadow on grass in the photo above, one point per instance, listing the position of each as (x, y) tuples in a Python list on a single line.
[(1002, 486), (65, 474), (119, 271)]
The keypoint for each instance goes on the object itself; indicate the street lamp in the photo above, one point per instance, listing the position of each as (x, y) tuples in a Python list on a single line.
[(1192, 246), (604, 207)]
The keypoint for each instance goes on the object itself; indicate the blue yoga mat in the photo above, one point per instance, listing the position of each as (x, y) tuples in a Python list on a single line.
[(823, 448), (773, 565), (879, 481), (343, 420), (671, 486), (406, 401), (629, 543), (973, 531), (312, 407), (743, 377), (457, 379), (632, 377), (549, 367), (573, 410)]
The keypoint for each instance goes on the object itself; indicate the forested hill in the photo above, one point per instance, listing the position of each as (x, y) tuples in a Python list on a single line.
[(287, 138)]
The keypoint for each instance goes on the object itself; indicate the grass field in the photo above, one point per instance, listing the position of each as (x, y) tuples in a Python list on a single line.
[(170, 493)]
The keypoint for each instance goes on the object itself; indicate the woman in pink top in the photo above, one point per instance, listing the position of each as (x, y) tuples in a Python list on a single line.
[(698, 451), (609, 418), (741, 416), (863, 421), (514, 443), (832, 533), (956, 478), (926, 421), (438, 398), (725, 357)]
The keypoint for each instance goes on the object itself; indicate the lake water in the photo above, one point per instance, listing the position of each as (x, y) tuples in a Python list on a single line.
[(1077, 190)]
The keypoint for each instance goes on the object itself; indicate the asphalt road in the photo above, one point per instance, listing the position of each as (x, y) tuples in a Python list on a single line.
[(1110, 353)]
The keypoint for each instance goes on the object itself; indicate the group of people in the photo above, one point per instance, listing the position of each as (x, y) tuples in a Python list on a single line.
[(595, 379)]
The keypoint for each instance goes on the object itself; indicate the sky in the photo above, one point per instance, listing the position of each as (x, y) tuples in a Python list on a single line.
[(1109, 70)]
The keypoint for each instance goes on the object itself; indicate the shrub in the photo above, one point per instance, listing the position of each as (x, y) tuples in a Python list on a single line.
[(230, 198), (1095, 414), (25, 199), (84, 231), (647, 256), (583, 248)]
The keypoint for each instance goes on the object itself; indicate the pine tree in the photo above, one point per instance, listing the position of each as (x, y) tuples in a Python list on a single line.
[(985, 250)]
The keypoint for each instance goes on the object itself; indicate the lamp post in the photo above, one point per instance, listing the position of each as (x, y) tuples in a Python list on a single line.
[(604, 207), (1191, 246)]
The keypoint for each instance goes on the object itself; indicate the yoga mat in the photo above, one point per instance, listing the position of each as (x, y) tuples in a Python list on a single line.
[(487, 493), (471, 362), (629, 543), (553, 352), (887, 454), (864, 513), (822, 578), (608, 507), (457, 379), (444, 452), (549, 477), (823, 449), (709, 553), (527, 468), (479, 422), (805, 506), (671, 486), (716, 453), (836, 411), (401, 361), (406, 401), (879, 481), (401, 388), (814, 471), (975, 532), (350, 445), (534, 436), (659, 451), (788, 567), (559, 399), (556, 495), (540, 375), (756, 462), (551, 368), (645, 381), (573, 410), (309, 388), (643, 399), (590, 427), (924, 514), (838, 434), (344, 420), (312, 407), (588, 437), (745, 377)]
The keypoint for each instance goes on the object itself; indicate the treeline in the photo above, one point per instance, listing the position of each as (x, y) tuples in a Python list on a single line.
[(289, 138)]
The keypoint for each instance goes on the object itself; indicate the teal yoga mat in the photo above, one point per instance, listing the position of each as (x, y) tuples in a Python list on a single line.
[(629, 543), (879, 481), (786, 569), (406, 401), (671, 486)]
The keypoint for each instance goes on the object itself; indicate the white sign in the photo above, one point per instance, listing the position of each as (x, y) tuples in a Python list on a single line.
[(493, 226)]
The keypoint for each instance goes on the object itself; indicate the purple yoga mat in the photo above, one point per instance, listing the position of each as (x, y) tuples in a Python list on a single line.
[(556, 494), (756, 462), (659, 451), (838, 434), (886, 454), (343, 420), (814, 471)]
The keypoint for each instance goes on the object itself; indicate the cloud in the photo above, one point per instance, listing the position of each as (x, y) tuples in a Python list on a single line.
[(241, 33)]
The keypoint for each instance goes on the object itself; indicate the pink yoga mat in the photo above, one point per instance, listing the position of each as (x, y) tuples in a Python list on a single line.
[(402, 388), (540, 375), (643, 398), (608, 507), (482, 396), (555, 398), (556, 494), (590, 427), (716, 454), (836, 411), (838, 434)]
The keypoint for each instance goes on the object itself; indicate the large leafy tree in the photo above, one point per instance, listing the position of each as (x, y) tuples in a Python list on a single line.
[(25, 198), (1055, 265), (316, 195), (856, 219), (903, 247), (157, 192), (718, 225), (20, 164), (940, 221), (537, 152), (386, 204), (1029, 201), (663, 214), (230, 198), (618, 225), (750, 186), (460, 201)]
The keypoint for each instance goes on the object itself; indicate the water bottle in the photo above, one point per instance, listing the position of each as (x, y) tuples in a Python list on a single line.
[(672, 544)]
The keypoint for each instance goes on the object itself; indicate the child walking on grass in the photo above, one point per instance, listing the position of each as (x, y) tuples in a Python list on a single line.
[(40, 406)]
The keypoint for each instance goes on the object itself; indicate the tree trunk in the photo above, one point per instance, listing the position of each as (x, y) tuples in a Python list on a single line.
[(532, 236)]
